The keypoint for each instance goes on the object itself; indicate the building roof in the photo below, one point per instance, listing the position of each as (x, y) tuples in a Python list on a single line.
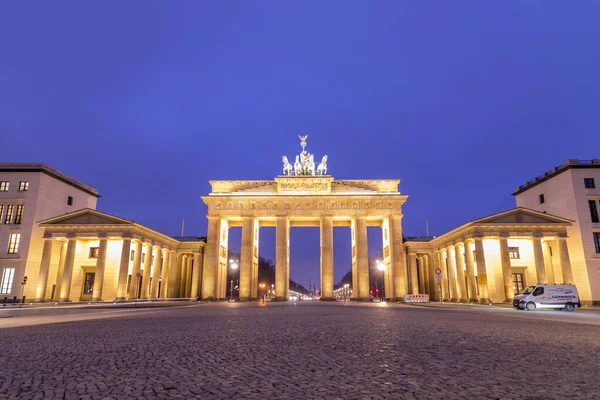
[(514, 216), (190, 238), (567, 165), (40, 167)]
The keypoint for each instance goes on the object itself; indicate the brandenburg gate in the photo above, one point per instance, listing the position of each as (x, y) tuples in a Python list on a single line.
[(303, 196)]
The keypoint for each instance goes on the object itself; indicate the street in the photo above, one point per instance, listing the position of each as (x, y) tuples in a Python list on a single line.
[(298, 351)]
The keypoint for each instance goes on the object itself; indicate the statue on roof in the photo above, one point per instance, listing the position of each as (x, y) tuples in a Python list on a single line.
[(305, 163)]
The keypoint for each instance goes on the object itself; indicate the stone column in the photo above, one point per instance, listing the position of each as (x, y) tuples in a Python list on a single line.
[(470, 264), (433, 263), (65, 290), (147, 272), (196, 275), (123, 269), (282, 257), (445, 283), (182, 269), (135, 268), (100, 266), (397, 258), (153, 293), (44, 268), (246, 258), (164, 273), (451, 260), (188, 276), (327, 257), (421, 273), (548, 262), (484, 296), (61, 268), (506, 271), (211, 259), (174, 276), (430, 276), (565, 261), (362, 258), (414, 282), (460, 273), (538, 255)]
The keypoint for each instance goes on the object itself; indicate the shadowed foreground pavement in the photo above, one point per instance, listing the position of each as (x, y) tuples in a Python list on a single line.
[(308, 350)]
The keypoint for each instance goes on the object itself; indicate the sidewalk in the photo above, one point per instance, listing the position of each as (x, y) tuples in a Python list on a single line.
[(145, 303), (438, 304)]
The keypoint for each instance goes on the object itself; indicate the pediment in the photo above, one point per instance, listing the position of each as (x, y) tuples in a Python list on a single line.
[(86, 217), (522, 215)]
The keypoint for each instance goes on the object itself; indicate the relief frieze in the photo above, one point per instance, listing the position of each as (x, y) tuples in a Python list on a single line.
[(305, 205)]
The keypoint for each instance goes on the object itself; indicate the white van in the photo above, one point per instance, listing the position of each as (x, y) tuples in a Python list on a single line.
[(548, 296)]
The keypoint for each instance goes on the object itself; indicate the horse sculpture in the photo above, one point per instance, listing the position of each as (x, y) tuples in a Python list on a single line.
[(287, 167), (297, 167), (322, 168)]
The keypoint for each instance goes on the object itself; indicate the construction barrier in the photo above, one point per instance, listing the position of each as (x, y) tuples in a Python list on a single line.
[(416, 298)]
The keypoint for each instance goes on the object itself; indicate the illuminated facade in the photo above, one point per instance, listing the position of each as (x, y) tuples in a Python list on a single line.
[(29, 193), (491, 259), (572, 190)]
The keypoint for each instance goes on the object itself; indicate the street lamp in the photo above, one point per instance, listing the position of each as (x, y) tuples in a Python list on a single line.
[(380, 267), (234, 265), (262, 293)]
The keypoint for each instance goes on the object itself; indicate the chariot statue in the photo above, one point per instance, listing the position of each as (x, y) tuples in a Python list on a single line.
[(304, 165)]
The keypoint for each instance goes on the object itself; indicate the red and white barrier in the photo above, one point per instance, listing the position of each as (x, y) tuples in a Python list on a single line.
[(416, 298)]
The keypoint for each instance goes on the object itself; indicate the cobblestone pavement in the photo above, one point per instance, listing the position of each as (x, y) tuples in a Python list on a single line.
[(303, 351)]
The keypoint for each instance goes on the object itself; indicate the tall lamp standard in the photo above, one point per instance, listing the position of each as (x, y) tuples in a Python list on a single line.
[(262, 291), (234, 265), (380, 267)]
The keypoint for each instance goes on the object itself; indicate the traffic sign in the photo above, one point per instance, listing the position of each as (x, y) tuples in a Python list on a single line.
[(25, 279), (438, 271)]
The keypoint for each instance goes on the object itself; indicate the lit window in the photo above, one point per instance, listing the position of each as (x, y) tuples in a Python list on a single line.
[(542, 200), (593, 210), (88, 284), (1, 211), (19, 214), (9, 212), (597, 241), (13, 243), (4, 186), (589, 183), (93, 252), (513, 252), (7, 279), (23, 186), (69, 201)]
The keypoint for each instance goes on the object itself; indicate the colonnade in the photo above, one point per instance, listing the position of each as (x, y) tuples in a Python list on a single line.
[(465, 268), (215, 270), (145, 269)]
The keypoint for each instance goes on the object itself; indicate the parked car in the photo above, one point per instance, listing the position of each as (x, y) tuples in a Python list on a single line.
[(557, 297)]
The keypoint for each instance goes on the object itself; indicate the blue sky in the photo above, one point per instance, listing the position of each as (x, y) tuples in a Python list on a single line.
[(149, 100)]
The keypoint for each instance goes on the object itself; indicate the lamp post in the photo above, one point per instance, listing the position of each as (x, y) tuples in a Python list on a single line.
[(262, 291), (346, 292), (234, 265), (380, 267)]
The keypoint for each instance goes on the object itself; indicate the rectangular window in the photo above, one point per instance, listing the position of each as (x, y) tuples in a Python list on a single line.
[(4, 186), (13, 243), (7, 280), (93, 252), (1, 211), (69, 201), (132, 255), (9, 212), (23, 186), (19, 214), (542, 200), (593, 210), (88, 284), (589, 183), (597, 241), (513, 252), (518, 285)]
